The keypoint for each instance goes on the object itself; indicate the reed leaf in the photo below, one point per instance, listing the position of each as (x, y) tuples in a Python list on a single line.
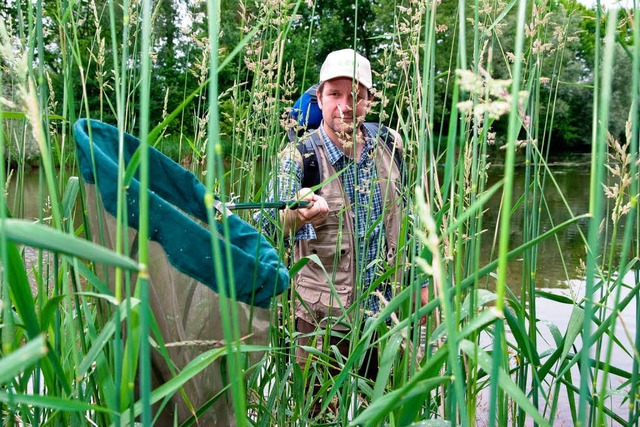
[(20, 360), (17, 115), (505, 382), (50, 310), (383, 406), (601, 101), (602, 329), (431, 423), (102, 340), (52, 402), (94, 281), (386, 365), (41, 236), (189, 371), (20, 291), (482, 298), (69, 199)]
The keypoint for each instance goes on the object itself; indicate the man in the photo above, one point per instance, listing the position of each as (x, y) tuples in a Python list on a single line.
[(353, 224)]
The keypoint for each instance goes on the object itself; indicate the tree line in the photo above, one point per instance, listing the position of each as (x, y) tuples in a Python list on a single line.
[(563, 40)]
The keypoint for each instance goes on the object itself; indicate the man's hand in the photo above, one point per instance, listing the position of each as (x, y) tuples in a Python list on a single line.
[(424, 299), (315, 214)]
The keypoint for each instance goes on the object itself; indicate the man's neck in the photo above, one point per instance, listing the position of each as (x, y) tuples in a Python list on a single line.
[(345, 141)]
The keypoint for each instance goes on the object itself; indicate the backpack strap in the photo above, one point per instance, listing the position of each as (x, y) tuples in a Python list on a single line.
[(385, 134), (311, 173)]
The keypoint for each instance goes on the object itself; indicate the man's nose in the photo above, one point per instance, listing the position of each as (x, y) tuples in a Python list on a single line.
[(346, 104)]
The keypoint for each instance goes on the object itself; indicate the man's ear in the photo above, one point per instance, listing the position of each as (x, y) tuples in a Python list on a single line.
[(319, 98)]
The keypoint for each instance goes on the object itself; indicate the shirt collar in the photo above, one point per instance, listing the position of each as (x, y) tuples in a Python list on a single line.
[(334, 154)]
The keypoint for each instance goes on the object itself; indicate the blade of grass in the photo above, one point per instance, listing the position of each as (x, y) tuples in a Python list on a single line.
[(504, 381), (52, 402), (381, 408), (387, 360), (41, 236), (602, 98), (20, 360)]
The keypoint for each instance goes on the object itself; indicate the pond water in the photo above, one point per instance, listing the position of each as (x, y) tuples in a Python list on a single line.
[(568, 199), (27, 204), (559, 265)]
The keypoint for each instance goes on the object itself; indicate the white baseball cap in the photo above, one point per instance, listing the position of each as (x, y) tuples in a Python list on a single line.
[(340, 63)]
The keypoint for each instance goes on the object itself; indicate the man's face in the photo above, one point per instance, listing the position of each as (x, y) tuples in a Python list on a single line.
[(337, 100)]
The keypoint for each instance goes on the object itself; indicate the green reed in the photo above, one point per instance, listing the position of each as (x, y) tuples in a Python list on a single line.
[(75, 339), (634, 190), (221, 255)]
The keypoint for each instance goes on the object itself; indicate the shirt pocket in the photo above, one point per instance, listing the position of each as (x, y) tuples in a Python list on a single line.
[(322, 300)]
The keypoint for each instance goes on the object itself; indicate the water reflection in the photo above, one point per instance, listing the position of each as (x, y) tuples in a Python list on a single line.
[(559, 257), (24, 199)]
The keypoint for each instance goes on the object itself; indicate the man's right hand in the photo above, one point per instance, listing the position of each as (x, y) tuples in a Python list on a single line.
[(316, 213)]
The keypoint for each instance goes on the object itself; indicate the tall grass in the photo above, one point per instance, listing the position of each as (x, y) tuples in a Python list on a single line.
[(78, 337)]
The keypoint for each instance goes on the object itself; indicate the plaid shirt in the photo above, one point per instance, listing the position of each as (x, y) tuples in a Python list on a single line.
[(359, 181)]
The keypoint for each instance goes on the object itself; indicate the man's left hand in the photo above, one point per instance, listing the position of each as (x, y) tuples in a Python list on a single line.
[(424, 299)]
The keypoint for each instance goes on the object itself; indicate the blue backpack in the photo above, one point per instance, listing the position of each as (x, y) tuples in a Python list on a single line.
[(308, 116), (306, 113)]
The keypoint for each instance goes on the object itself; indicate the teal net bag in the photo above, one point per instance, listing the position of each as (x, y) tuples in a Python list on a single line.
[(176, 202)]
